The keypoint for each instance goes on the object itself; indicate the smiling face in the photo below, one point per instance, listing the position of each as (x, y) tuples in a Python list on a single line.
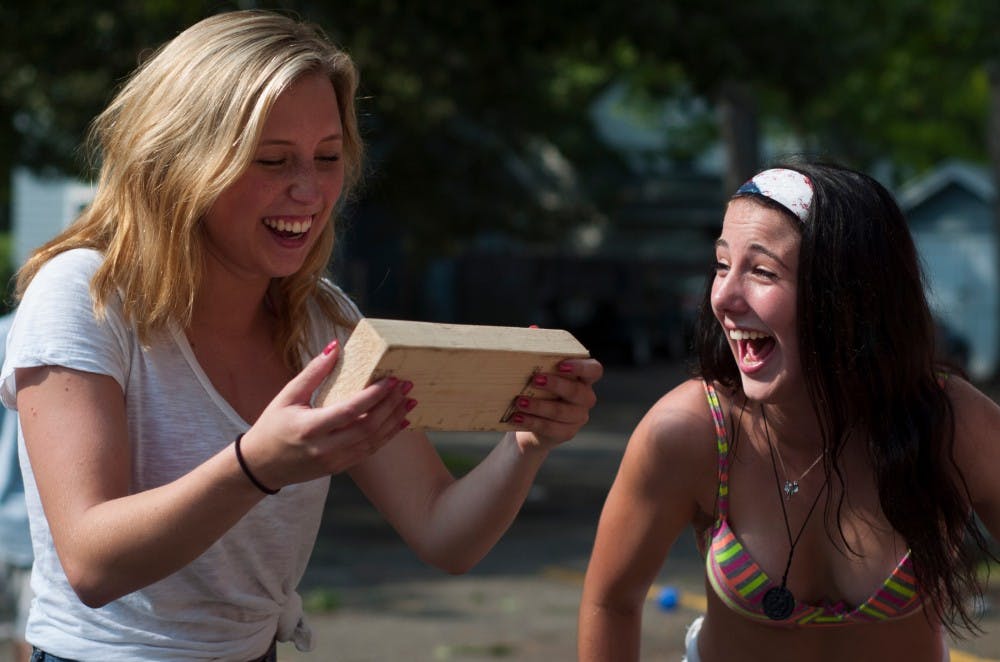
[(265, 223), (754, 298)]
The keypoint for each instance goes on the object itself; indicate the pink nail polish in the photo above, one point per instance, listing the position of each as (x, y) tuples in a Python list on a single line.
[(565, 367), (406, 387), (329, 348), (517, 418), (523, 403), (533, 326), (393, 381), (410, 404), (405, 424), (541, 380)]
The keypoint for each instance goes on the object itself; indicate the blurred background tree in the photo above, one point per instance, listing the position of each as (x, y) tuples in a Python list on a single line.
[(479, 116)]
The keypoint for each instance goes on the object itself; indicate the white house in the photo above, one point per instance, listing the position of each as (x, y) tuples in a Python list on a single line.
[(951, 211), (42, 206)]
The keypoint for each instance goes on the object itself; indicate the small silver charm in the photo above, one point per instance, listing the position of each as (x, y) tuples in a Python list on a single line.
[(791, 488)]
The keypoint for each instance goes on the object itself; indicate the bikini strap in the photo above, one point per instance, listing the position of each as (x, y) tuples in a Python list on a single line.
[(722, 445)]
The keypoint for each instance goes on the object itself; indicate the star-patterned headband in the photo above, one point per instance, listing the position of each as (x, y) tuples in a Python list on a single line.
[(789, 188)]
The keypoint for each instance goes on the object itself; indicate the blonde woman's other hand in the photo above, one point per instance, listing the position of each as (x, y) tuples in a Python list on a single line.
[(545, 423)]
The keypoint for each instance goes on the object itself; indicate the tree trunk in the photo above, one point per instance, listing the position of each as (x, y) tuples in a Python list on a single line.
[(993, 145), (740, 131)]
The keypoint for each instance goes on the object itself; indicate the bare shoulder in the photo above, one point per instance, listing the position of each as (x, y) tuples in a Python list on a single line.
[(977, 448), (977, 451), (679, 424), (976, 413), (672, 451)]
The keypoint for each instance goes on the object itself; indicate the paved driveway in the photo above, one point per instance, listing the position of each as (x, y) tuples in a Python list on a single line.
[(371, 600)]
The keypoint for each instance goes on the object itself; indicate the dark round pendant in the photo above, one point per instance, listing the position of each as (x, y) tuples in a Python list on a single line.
[(779, 603)]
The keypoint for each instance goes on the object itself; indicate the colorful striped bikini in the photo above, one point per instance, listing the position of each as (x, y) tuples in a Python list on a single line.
[(741, 584)]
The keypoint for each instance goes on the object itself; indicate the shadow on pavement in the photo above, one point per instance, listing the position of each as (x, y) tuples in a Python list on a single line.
[(520, 602), (371, 599)]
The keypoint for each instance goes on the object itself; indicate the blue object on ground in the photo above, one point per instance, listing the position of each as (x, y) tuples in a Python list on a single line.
[(667, 598)]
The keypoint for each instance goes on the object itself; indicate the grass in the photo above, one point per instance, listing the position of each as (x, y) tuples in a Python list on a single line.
[(452, 651), (321, 601), (458, 464)]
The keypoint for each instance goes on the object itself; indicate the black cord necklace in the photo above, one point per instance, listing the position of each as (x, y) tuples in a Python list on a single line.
[(779, 603)]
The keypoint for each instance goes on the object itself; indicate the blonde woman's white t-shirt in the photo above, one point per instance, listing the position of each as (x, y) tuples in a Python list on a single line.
[(227, 603)]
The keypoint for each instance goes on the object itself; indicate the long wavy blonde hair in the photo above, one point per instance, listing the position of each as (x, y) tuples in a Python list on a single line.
[(182, 129)]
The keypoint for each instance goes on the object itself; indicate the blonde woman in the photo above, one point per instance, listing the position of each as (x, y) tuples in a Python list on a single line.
[(159, 361)]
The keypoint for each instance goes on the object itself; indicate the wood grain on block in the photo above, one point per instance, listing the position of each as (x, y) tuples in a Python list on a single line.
[(465, 377)]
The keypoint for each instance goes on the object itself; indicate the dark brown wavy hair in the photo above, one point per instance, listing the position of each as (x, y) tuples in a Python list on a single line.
[(867, 341)]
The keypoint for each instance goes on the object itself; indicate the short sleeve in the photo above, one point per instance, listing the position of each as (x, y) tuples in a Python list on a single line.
[(349, 309), (55, 325), (322, 329)]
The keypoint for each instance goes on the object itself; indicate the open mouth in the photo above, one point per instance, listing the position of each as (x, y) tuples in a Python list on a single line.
[(753, 347), (288, 229)]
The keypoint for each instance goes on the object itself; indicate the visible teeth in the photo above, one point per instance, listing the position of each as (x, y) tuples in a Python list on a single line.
[(295, 227), (737, 334)]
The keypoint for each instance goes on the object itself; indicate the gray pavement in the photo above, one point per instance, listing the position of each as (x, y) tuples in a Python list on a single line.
[(370, 599)]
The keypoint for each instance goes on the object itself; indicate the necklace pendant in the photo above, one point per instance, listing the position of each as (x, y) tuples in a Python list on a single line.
[(779, 603), (791, 488)]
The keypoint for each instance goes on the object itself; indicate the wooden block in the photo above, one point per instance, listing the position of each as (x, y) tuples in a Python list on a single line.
[(465, 377)]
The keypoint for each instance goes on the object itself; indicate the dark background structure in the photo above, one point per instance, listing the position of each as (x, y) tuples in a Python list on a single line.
[(556, 163)]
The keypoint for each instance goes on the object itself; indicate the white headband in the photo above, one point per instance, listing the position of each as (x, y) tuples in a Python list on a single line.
[(789, 188)]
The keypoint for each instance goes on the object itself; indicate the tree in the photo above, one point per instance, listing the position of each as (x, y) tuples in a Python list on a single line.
[(59, 64), (476, 113)]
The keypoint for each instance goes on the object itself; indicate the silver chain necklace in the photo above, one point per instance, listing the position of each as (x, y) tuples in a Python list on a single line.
[(791, 487)]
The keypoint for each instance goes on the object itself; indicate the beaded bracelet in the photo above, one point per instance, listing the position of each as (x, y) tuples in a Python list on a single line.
[(243, 465)]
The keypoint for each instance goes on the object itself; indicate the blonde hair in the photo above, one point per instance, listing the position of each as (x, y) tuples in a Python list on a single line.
[(183, 128)]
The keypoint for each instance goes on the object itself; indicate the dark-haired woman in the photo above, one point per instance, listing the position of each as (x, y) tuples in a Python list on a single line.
[(829, 467)]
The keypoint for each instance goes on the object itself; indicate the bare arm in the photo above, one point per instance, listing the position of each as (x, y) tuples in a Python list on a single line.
[(111, 542), (452, 523), (665, 473), (977, 449)]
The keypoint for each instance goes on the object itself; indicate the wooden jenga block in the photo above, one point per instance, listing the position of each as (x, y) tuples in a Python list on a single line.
[(465, 377)]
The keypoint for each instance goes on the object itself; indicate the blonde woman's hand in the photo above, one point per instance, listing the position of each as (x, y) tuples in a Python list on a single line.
[(542, 423), (293, 442)]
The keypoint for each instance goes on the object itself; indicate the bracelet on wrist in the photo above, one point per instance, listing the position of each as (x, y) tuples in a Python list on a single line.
[(243, 465)]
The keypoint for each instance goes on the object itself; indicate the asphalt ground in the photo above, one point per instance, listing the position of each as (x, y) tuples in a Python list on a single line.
[(369, 599)]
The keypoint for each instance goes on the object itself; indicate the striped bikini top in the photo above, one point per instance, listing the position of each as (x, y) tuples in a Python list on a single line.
[(741, 583)]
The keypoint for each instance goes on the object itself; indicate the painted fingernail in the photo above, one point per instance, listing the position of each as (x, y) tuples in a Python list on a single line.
[(410, 404), (518, 418), (393, 381), (533, 326), (523, 403), (405, 424), (329, 348), (406, 387), (541, 380), (565, 367)]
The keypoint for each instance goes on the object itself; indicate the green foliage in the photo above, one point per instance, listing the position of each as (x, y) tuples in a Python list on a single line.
[(458, 464), (321, 601), (62, 61), (919, 94), (465, 103), (459, 651)]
